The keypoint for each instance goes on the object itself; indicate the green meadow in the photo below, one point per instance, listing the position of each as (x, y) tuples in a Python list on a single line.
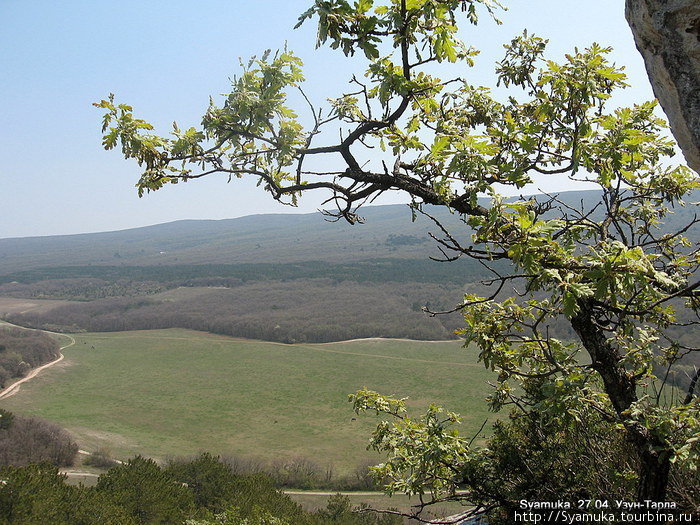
[(178, 392)]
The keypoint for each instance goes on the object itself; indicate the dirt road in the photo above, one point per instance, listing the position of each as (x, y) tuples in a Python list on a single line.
[(14, 387)]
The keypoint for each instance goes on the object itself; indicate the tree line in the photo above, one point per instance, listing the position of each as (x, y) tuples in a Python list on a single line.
[(369, 270), (300, 473), (22, 350), (203, 490), (25, 440), (309, 310)]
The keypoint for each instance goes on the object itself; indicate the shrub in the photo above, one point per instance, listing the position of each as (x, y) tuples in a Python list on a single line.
[(146, 492), (101, 458), (33, 440), (217, 488), (6, 418), (38, 495)]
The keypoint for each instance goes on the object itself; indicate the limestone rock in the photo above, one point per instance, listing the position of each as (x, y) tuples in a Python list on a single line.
[(667, 34)]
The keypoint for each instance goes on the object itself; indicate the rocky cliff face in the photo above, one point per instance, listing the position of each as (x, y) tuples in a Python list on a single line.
[(667, 33)]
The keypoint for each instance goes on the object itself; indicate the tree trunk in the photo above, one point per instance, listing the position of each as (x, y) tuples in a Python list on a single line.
[(654, 470), (667, 34), (621, 388)]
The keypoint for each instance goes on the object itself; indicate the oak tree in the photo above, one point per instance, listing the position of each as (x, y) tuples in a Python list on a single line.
[(610, 270)]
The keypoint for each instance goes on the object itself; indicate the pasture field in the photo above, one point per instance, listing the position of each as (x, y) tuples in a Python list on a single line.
[(176, 392)]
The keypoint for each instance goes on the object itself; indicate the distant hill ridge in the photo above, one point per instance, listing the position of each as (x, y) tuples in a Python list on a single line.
[(270, 238), (255, 238), (287, 278)]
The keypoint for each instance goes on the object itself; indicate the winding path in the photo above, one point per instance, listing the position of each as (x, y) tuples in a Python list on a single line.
[(14, 387)]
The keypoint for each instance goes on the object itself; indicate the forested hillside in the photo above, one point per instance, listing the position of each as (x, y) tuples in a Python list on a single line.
[(22, 350), (298, 310), (387, 232), (275, 240), (276, 277), (288, 278)]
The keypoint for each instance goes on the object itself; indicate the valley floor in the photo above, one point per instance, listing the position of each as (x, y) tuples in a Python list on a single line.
[(178, 392)]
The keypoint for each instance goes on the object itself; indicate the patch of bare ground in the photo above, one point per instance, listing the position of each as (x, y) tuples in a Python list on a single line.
[(14, 305), (93, 439)]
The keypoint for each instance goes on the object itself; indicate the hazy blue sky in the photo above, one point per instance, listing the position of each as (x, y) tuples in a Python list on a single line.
[(165, 58)]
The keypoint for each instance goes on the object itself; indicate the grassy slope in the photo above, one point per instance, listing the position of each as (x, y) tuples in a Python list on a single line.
[(173, 392)]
